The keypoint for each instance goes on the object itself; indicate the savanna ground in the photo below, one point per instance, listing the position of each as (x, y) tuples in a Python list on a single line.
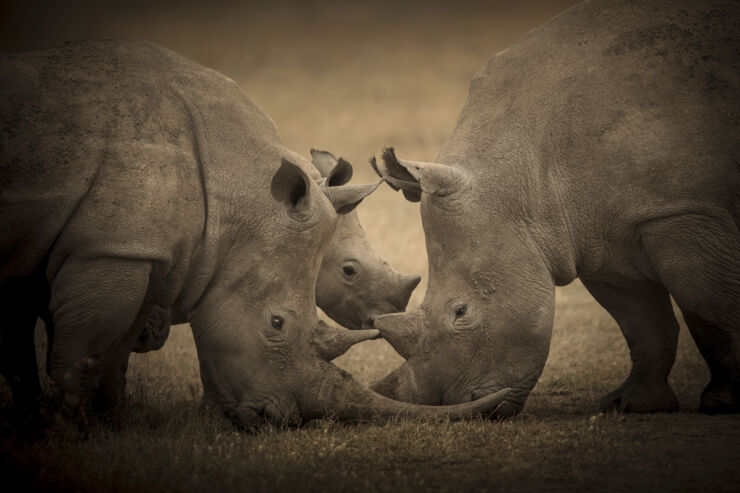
[(352, 79)]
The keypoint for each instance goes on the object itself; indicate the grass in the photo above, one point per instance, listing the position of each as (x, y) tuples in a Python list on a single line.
[(167, 443), (352, 79)]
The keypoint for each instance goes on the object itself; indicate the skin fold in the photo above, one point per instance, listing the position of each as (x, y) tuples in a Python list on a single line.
[(604, 146)]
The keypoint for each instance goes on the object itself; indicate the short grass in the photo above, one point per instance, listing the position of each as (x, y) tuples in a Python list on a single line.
[(351, 79)]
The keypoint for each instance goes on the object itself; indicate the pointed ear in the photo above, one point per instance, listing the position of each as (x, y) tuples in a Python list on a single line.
[(345, 198), (336, 171), (341, 174), (414, 177), (324, 161), (290, 185)]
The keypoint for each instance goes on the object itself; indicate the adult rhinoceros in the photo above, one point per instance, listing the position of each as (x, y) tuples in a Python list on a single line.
[(355, 284), (604, 145), (132, 178)]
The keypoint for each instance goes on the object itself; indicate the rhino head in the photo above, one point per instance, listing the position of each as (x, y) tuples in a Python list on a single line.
[(355, 284), (485, 322), (264, 355)]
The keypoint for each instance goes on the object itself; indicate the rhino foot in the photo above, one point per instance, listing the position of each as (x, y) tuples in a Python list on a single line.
[(633, 398), (719, 399)]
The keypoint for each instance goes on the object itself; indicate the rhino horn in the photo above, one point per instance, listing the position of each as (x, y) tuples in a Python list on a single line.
[(401, 330), (338, 394), (332, 342), (345, 198)]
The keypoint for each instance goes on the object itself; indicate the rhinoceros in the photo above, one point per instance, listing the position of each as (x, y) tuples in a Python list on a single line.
[(134, 178), (355, 283), (605, 146)]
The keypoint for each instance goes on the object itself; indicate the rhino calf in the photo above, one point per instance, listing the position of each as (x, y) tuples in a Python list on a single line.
[(134, 179), (604, 145), (355, 283)]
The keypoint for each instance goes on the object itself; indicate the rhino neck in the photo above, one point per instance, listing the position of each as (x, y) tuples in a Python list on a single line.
[(517, 187), (237, 149)]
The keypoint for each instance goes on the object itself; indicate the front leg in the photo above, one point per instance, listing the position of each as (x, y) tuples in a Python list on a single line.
[(645, 317), (94, 303), (151, 319)]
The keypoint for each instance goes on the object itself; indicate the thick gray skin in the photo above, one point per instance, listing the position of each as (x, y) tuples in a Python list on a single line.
[(355, 284), (133, 178), (604, 145)]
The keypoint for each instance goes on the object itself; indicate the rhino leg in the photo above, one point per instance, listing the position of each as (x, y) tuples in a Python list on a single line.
[(698, 259), (645, 317), (94, 303), (112, 388), (17, 349)]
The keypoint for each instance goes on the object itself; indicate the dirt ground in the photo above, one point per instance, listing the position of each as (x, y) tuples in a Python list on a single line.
[(352, 79)]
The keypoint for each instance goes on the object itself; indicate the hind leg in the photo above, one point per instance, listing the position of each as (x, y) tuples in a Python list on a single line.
[(698, 259), (645, 317), (17, 349), (94, 303)]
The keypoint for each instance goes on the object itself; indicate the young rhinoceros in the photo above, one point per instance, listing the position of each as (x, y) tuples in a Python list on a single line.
[(355, 283), (604, 145), (133, 177)]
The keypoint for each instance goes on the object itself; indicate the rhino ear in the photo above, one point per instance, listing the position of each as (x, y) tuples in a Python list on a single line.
[(341, 174), (290, 185), (414, 177), (324, 161), (336, 171), (345, 198)]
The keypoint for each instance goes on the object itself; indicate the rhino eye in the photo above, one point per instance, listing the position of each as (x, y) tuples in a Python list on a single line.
[(460, 311), (277, 322), (349, 271)]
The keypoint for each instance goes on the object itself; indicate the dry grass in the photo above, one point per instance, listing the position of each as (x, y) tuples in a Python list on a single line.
[(352, 79)]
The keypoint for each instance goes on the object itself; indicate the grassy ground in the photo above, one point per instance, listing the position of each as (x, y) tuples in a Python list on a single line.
[(351, 79)]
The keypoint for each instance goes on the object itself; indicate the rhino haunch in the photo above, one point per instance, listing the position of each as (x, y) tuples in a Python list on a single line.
[(133, 178), (603, 145)]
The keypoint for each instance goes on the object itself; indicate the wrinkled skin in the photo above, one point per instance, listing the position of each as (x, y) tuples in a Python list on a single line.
[(355, 283), (136, 182), (603, 145)]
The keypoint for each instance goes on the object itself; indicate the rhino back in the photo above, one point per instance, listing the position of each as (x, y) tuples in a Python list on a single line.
[(112, 148), (626, 108)]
